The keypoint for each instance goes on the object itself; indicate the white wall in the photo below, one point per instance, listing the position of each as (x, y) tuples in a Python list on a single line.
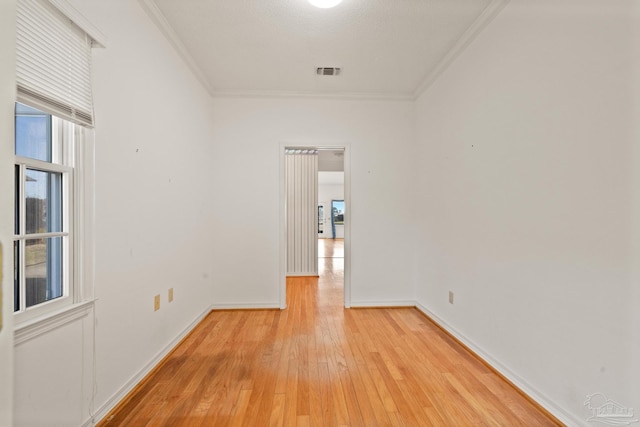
[(154, 222), (526, 205), (248, 137), (329, 190), (153, 186), (529, 199), (53, 376), (186, 197), (7, 99)]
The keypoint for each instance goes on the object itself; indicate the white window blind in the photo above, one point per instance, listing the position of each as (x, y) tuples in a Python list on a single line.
[(53, 62)]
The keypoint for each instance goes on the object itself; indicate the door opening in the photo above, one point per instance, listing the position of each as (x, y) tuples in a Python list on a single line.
[(333, 162)]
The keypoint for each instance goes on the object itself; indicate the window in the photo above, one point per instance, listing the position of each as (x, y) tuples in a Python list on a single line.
[(337, 210), (44, 221), (53, 236)]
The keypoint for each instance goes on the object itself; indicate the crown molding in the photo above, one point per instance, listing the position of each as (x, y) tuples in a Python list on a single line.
[(68, 10), (487, 15), (153, 11), (356, 96)]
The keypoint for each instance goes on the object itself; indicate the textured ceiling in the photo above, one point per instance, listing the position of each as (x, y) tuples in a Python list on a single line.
[(385, 47)]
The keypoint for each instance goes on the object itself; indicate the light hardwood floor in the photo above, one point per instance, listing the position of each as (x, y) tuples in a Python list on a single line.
[(318, 364)]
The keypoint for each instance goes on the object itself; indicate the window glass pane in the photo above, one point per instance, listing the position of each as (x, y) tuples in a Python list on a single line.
[(44, 201), (16, 276), (33, 133), (17, 201), (43, 270), (337, 209)]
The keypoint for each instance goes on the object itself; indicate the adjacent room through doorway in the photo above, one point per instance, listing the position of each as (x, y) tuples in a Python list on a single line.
[(315, 234), (331, 224)]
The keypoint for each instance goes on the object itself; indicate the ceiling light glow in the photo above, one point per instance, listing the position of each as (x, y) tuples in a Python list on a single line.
[(325, 4)]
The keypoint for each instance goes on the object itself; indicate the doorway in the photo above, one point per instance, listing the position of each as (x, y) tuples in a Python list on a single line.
[(336, 159)]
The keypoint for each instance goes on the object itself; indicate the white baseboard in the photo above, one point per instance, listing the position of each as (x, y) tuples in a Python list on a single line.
[(101, 412), (381, 304), (519, 382), (523, 385), (247, 306)]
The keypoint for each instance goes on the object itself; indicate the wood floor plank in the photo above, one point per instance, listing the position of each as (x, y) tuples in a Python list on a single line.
[(318, 364), (337, 394), (326, 398), (240, 409), (277, 410)]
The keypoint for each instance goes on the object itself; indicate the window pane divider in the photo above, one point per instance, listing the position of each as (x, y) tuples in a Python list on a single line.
[(35, 236), (43, 166)]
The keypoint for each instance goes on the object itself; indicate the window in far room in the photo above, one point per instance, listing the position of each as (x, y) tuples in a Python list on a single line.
[(337, 210)]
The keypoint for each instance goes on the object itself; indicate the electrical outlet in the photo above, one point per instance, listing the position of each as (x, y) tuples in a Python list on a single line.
[(450, 297), (170, 294), (156, 303)]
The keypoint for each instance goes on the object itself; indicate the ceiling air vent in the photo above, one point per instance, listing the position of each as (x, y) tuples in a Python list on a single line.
[(328, 71)]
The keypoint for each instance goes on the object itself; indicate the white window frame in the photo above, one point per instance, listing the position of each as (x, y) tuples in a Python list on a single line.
[(55, 23), (76, 156)]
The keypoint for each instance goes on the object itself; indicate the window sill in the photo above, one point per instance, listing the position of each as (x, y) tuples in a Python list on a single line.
[(34, 328)]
